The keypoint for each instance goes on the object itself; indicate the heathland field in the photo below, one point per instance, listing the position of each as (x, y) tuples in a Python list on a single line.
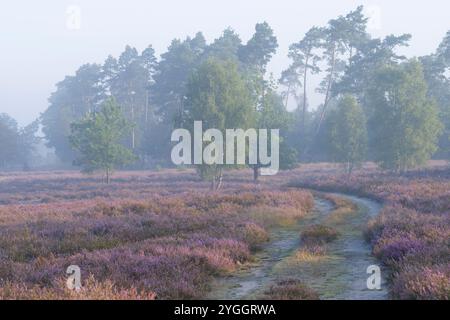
[(166, 235)]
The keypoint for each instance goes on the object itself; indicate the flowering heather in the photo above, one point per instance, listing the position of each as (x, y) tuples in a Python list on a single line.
[(166, 234), (424, 283), (147, 234), (412, 233)]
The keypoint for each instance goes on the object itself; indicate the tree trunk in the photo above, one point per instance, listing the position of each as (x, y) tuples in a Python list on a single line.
[(220, 179), (328, 92), (108, 178), (217, 179), (287, 96), (132, 132), (146, 106), (263, 97), (256, 172), (350, 56), (348, 170), (213, 183), (304, 93)]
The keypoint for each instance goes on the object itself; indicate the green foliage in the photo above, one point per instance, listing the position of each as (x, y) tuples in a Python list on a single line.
[(347, 133), (327, 50), (225, 47), (369, 56), (404, 120), (75, 96), (444, 49), (8, 140), (273, 115), (437, 74), (16, 144), (340, 38), (217, 95), (28, 140), (97, 137), (127, 79), (157, 95), (260, 48), (288, 156), (254, 57), (305, 58), (151, 93), (172, 74)]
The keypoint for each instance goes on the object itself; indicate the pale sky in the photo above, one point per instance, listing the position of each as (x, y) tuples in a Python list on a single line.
[(39, 47)]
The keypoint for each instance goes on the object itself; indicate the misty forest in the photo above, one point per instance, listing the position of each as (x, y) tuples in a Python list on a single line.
[(364, 177)]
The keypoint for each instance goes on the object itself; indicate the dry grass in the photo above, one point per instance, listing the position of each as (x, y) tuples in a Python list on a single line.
[(92, 290), (290, 289), (343, 209), (310, 254), (318, 234)]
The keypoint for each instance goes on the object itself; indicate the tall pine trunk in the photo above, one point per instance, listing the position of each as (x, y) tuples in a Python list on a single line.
[(304, 93), (287, 95), (133, 130), (328, 92)]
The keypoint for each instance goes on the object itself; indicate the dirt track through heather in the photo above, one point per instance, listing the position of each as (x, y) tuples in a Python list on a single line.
[(338, 274)]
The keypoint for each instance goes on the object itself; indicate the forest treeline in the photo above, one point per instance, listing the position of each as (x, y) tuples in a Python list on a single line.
[(376, 104)]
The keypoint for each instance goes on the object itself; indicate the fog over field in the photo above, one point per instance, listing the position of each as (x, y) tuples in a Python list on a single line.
[(39, 50)]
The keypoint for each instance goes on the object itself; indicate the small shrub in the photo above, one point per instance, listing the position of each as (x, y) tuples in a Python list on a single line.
[(290, 289), (318, 234), (254, 235), (310, 254)]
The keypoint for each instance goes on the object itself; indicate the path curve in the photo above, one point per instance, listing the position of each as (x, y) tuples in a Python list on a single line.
[(341, 275)]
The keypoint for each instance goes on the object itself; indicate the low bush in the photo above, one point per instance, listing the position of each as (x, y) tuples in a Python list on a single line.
[(290, 289), (318, 234)]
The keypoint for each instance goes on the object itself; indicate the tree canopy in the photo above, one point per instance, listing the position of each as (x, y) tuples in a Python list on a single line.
[(97, 138), (226, 83), (347, 133), (405, 122), (218, 96)]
